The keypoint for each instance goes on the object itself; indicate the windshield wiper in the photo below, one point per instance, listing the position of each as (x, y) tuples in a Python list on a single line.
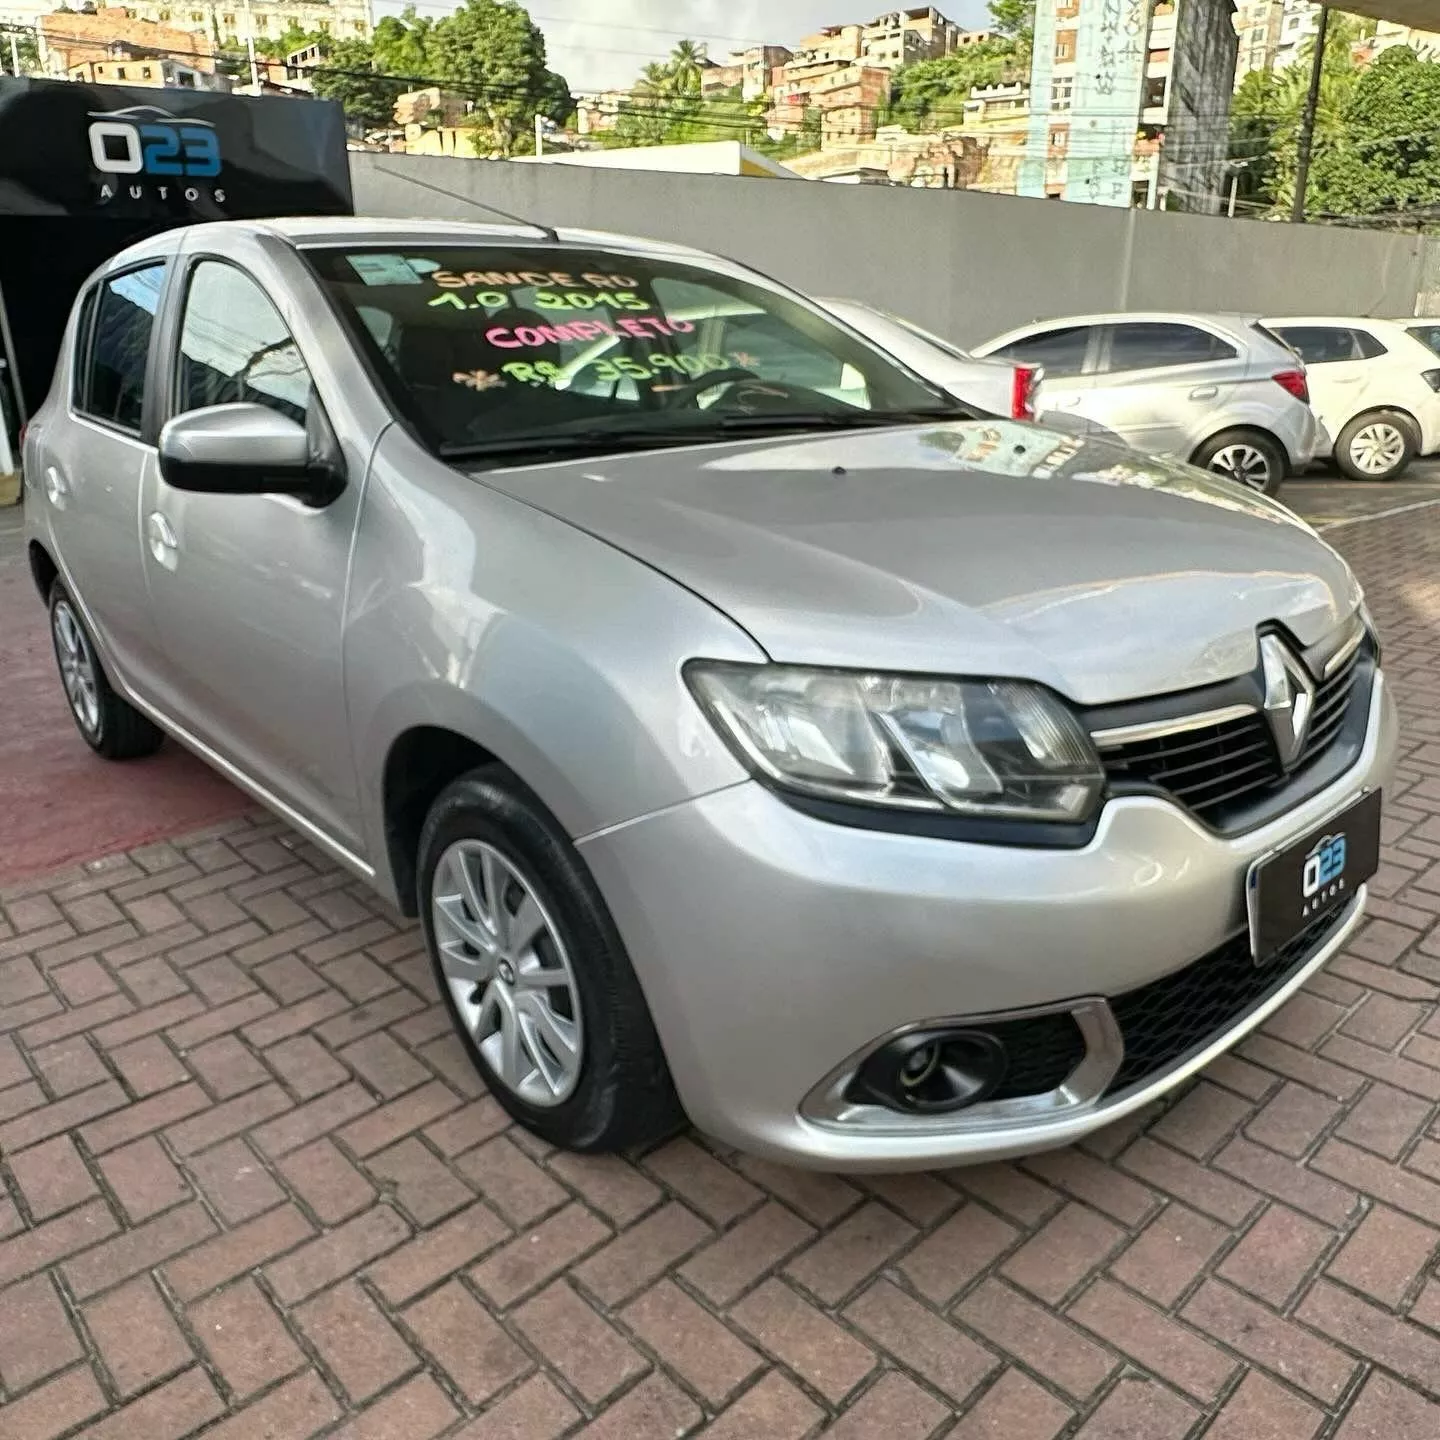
[(561, 442), (838, 419)]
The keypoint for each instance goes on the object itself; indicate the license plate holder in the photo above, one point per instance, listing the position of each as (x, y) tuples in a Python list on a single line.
[(1289, 889)]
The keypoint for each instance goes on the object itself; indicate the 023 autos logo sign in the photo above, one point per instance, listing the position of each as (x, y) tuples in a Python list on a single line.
[(156, 151), (1324, 875)]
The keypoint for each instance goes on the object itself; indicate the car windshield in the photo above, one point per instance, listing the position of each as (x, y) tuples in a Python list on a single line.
[(489, 349)]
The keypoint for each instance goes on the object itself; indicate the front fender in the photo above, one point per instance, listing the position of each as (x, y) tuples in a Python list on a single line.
[(472, 612)]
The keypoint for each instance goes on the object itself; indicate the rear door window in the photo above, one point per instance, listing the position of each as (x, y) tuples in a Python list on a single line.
[(1330, 344), (1154, 345), (112, 382), (1427, 335), (1061, 352)]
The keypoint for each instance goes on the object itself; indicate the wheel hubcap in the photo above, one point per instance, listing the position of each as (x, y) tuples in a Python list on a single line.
[(1377, 449), (1244, 463), (77, 668), (508, 973)]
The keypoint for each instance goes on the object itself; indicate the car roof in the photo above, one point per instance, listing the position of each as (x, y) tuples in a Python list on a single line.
[(1114, 317), (1336, 320), (306, 231)]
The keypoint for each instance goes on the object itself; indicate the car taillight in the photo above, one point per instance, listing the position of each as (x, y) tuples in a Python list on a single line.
[(1294, 381), (1431, 378), (1023, 384)]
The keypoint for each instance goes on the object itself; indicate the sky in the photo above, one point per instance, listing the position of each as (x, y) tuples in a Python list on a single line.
[(603, 44)]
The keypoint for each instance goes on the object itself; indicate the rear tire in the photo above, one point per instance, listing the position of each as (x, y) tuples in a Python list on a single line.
[(534, 973), (1378, 445), (1249, 457), (110, 726)]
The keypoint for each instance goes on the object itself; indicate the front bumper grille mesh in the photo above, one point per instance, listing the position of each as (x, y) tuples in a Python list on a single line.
[(1161, 1023)]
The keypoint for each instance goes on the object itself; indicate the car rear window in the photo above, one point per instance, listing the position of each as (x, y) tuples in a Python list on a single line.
[(1428, 335), (1330, 344)]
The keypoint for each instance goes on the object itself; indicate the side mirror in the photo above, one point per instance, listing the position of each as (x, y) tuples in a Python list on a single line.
[(250, 450)]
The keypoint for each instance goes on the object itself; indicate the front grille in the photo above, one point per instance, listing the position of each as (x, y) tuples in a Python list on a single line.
[(1160, 1023), (1220, 772)]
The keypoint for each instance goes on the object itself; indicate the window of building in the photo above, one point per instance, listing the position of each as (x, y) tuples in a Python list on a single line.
[(145, 72), (1144, 345), (234, 347), (198, 17), (1065, 45), (1062, 93), (112, 379), (1059, 137), (229, 22), (1066, 9)]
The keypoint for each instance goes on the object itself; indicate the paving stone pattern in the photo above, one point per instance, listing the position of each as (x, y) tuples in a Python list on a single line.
[(251, 1188)]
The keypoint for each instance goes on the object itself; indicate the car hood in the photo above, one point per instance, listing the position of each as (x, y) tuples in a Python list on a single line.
[(992, 548)]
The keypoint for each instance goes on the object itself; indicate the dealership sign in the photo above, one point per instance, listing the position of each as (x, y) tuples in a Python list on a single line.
[(110, 150)]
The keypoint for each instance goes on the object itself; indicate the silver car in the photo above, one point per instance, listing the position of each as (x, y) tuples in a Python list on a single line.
[(998, 387), (755, 741), (1219, 391)]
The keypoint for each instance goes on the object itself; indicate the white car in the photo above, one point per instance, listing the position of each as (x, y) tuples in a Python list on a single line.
[(1375, 386), (1216, 390), (998, 387)]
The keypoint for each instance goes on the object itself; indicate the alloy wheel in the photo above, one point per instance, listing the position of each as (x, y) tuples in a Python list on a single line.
[(1377, 448), (1242, 462), (77, 667), (508, 973)]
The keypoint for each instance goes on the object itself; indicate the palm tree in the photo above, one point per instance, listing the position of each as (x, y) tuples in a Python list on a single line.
[(687, 60)]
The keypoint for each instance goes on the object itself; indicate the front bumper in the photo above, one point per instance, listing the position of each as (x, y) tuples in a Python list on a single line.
[(773, 948)]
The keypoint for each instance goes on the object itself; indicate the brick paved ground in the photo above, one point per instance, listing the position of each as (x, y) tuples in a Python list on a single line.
[(253, 1189)]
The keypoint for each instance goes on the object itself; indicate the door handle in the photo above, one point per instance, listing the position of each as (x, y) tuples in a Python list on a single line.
[(161, 539), (1066, 402), (1205, 392)]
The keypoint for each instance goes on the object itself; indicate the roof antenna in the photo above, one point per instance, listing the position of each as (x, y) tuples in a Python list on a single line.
[(546, 231)]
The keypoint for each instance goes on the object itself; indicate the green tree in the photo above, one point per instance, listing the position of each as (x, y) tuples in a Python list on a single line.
[(687, 62), (1013, 17), (1266, 114), (26, 49), (491, 52), (931, 94), (1386, 156), (277, 47), (351, 75), (401, 45)]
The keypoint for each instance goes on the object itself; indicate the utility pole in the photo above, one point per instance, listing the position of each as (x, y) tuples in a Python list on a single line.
[(250, 47), (1307, 120), (14, 54), (1234, 192), (539, 134)]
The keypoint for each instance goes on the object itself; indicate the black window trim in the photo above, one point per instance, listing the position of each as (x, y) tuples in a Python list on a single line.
[(79, 392), (1088, 366)]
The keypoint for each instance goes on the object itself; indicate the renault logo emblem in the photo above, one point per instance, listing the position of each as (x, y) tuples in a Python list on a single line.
[(1289, 697)]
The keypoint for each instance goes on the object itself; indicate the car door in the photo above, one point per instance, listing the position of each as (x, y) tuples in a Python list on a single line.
[(1338, 363), (1159, 383), (1066, 353), (92, 456), (248, 591)]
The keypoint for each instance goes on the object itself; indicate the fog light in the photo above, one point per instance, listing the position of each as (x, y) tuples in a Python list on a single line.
[(931, 1072)]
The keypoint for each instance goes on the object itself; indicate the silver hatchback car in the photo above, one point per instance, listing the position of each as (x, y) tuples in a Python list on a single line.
[(756, 740), (1220, 391)]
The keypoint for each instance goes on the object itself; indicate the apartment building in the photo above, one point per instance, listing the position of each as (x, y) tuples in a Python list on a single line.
[(1136, 95), (224, 19)]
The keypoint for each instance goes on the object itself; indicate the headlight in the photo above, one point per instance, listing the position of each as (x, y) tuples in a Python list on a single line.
[(996, 749)]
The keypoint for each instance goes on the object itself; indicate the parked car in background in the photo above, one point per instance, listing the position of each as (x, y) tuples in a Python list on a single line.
[(1374, 385), (1215, 390), (998, 387), (879, 789)]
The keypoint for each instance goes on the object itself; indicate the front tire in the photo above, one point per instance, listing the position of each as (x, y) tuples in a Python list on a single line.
[(1249, 457), (1377, 446), (110, 726), (534, 973)]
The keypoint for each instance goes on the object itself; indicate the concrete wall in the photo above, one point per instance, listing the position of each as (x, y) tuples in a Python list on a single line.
[(966, 265)]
